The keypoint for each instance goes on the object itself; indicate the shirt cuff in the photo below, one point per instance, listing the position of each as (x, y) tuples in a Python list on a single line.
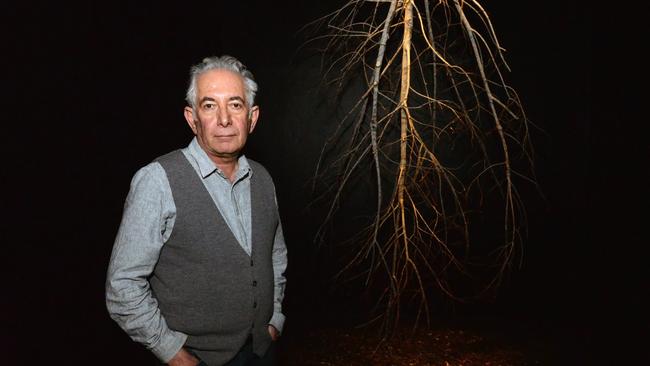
[(277, 321), (170, 344)]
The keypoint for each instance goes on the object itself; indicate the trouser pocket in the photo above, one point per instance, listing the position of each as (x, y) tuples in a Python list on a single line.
[(201, 363)]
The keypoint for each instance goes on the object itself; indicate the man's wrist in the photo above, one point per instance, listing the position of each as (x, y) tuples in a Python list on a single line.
[(171, 343), (277, 321)]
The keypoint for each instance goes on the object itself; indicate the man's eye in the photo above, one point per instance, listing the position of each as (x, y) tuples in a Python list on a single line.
[(208, 106), (237, 106)]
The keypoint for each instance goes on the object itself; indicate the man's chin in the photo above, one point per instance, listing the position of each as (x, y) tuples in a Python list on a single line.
[(226, 154)]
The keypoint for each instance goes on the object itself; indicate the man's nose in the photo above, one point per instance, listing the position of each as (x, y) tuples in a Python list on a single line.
[(224, 117)]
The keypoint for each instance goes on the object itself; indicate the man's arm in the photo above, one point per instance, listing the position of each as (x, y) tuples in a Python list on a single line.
[(146, 224), (279, 266)]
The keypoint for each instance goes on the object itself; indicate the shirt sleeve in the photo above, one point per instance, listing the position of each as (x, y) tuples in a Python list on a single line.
[(279, 267), (146, 223)]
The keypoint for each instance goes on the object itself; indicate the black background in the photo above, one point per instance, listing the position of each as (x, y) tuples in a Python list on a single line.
[(95, 91)]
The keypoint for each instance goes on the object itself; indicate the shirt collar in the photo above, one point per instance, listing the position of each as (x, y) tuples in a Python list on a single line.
[(207, 167)]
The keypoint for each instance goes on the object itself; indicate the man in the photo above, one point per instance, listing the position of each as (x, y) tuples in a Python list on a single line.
[(196, 273)]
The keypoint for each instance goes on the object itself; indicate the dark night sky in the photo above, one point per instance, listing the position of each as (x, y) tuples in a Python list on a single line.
[(96, 91)]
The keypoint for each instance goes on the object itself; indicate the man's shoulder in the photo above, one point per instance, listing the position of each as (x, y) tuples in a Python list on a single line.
[(153, 171), (171, 156), (177, 161), (155, 167), (149, 181), (258, 168)]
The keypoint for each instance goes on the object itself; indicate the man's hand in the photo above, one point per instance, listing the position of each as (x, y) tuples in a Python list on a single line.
[(183, 358), (275, 335)]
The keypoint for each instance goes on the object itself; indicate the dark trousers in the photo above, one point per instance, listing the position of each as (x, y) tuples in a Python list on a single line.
[(246, 357)]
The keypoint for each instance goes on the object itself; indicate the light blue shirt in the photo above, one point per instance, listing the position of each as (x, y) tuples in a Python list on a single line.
[(147, 223)]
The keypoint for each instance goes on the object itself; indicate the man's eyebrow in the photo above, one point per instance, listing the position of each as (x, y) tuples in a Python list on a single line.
[(206, 99)]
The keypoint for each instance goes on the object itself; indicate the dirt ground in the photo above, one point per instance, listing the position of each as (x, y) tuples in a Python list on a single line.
[(431, 348), (362, 347), (439, 346)]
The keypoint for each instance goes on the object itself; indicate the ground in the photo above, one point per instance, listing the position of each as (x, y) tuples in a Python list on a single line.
[(475, 342), (359, 347)]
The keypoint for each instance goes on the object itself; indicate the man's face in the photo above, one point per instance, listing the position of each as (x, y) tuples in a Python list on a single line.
[(221, 120)]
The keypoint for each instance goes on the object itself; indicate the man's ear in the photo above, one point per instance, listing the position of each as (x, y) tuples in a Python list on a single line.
[(188, 112), (255, 114)]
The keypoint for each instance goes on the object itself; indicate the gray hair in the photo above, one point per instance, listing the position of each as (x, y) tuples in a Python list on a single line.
[(221, 62)]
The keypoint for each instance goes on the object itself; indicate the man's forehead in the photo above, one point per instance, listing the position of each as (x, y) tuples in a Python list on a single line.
[(220, 81)]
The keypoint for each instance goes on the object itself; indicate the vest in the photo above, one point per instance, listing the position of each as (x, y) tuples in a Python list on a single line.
[(206, 285)]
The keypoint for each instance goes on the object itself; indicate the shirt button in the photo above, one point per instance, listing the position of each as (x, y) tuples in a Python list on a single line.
[(254, 304), (251, 262), (254, 283)]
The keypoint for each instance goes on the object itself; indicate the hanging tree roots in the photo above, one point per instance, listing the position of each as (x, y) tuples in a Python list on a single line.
[(442, 131)]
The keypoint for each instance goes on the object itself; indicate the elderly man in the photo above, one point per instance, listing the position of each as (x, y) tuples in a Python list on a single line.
[(197, 270)]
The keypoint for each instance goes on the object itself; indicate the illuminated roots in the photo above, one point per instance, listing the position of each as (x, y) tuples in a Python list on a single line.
[(441, 130)]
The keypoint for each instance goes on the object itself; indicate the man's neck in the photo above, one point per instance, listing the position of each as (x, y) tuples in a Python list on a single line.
[(227, 165)]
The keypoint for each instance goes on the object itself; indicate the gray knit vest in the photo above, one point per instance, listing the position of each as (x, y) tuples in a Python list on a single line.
[(206, 285)]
